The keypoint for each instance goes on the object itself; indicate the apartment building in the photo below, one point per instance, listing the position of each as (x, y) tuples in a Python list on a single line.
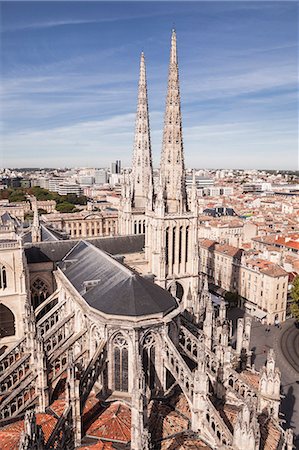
[(261, 284), (84, 224)]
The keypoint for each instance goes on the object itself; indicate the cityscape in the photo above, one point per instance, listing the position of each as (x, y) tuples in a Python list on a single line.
[(149, 299)]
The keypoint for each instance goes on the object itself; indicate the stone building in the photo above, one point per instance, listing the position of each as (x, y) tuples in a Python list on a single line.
[(261, 284), (84, 224), (106, 358)]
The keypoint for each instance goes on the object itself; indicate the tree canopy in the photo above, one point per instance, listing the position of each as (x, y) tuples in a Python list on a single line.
[(295, 297)]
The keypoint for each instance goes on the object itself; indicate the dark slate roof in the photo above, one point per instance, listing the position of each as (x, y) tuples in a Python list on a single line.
[(113, 288), (119, 245), (35, 255)]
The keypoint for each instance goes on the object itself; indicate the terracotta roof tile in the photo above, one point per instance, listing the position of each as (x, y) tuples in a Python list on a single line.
[(183, 442), (113, 423), (10, 434), (251, 378), (100, 445)]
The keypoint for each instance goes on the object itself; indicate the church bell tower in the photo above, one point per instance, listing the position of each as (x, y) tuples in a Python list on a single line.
[(171, 237)]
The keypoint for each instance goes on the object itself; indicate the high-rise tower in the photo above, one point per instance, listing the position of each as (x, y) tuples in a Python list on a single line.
[(138, 189), (172, 158)]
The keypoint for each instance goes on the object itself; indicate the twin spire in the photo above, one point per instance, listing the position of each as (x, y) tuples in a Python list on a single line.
[(142, 172), (172, 170)]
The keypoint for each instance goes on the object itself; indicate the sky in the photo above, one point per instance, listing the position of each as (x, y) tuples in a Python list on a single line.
[(69, 76)]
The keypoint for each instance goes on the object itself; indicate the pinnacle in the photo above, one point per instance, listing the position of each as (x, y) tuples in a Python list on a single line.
[(173, 52), (142, 75)]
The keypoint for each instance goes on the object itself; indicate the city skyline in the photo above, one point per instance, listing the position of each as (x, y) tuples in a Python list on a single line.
[(70, 80)]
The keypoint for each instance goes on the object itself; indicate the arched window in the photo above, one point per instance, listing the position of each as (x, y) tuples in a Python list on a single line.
[(173, 245), (187, 244), (166, 245), (139, 227), (3, 278), (120, 362), (149, 360), (143, 227), (176, 289), (39, 292), (7, 322), (180, 244), (135, 227)]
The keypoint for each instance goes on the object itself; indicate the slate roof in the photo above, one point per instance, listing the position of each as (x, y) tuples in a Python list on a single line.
[(119, 245), (117, 289)]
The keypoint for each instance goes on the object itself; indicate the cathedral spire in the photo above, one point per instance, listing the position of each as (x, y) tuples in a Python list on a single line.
[(142, 171), (172, 159)]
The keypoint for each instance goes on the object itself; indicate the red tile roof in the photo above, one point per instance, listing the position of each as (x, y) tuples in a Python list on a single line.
[(100, 445), (10, 434), (113, 423)]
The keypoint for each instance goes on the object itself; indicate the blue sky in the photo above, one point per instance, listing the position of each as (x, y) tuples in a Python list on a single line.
[(69, 74)]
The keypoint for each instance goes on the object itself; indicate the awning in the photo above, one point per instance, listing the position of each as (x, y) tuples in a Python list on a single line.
[(256, 312)]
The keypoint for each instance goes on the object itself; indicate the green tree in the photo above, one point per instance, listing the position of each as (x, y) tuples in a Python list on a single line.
[(232, 298), (42, 211), (295, 297), (65, 207), (17, 197)]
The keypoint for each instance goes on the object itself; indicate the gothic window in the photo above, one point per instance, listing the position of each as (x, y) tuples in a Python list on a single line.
[(187, 244), (176, 290), (143, 227), (139, 227), (180, 244), (135, 228), (120, 361), (149, 360), (166, 245), (39, 292), (173, 245), (3, 278), (7, 322)]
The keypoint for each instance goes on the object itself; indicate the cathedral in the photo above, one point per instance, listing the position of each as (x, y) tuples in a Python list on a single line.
[(114, 342)]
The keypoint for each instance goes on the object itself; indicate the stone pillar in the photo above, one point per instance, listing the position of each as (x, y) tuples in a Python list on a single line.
[(199, 397), (240, 329), (41, 369), (208, 324), (73, 399), (139, 435)]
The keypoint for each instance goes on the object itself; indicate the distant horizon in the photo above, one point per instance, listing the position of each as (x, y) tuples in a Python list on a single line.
[(70, 77), (154, 168)]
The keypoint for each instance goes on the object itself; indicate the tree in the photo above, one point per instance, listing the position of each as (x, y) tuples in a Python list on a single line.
[(65, 207), (42, 211), (295, 297), (232, 298)]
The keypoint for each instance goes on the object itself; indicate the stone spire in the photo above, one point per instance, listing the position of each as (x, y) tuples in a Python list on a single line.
[(142, 171), (172, 158)]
